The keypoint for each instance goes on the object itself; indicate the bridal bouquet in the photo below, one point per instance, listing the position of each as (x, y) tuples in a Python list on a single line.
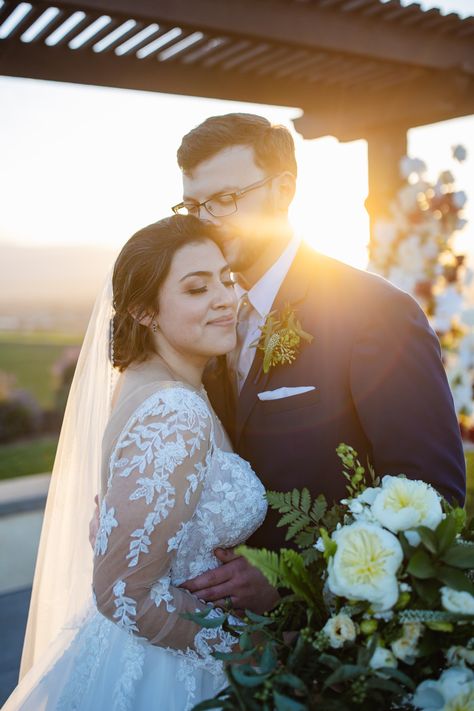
[(379, 610)]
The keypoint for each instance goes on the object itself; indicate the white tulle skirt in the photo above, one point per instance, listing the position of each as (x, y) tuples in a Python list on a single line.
[(104, 668)]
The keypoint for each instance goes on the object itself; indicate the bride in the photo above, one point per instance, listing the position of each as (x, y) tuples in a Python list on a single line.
[(171, 491)]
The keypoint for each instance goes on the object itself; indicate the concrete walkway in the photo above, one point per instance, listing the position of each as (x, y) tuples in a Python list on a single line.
[(13, 616), (22, 503)]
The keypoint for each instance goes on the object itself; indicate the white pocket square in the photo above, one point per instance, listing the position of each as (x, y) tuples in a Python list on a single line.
[(280, 393)]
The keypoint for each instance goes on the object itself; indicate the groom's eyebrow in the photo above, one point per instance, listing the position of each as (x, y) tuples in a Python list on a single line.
[(205, 274), (221, 191)]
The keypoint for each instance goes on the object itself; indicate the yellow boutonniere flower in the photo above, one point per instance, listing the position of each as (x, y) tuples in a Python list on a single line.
[(280, 338)]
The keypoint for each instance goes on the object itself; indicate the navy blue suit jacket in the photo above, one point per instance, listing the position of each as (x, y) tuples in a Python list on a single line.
[(380, 387)]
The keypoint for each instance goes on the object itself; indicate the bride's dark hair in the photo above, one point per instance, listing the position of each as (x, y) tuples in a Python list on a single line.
[(139, 271)]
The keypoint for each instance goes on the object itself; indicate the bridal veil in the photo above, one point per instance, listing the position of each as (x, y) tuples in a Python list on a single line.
[(62, 584)]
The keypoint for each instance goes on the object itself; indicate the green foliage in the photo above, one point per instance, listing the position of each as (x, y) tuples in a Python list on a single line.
[(354, 472), (286, 660)]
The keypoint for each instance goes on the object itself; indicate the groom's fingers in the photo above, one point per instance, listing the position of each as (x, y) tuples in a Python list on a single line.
[(208, 580), (219, 593), (225, 555)]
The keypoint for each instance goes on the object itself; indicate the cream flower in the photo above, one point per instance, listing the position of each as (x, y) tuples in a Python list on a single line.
[(340, 629), (365, 564), (406, 647), (382, 657), (404, 504), (453, 691), (457, 601)]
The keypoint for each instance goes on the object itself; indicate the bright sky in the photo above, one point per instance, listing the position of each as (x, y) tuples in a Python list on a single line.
[(88, 165)]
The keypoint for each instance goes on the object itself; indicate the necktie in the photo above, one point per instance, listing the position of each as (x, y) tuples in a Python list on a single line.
[(244, 310)]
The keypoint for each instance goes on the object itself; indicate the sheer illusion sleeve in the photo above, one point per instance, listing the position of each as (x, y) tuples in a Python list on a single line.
[(156, 474)]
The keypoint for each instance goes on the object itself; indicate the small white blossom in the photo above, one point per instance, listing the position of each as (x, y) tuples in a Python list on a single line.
[(382, 657), (457, 601), (406, 647), (319, 545), (460, 655), (340, 629)]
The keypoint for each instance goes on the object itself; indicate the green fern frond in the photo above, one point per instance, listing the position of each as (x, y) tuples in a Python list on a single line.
[(268, 562)]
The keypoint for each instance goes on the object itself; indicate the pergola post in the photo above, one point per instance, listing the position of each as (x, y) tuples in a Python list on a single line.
[(385, 148)]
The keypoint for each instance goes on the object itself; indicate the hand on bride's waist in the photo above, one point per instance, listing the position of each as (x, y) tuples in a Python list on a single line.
[(235, 585)]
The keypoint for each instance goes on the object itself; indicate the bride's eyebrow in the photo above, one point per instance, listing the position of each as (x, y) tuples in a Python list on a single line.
[(226, 268)]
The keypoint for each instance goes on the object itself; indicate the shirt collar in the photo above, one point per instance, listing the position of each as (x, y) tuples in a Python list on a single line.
[(263, 293)]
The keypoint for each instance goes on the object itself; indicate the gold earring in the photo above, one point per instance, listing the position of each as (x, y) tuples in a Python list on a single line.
[(154, 326)]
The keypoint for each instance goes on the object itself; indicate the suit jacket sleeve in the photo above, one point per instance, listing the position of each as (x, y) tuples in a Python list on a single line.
[(402, 397)]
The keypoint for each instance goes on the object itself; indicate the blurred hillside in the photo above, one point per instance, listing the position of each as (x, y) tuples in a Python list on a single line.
[(50, 288)]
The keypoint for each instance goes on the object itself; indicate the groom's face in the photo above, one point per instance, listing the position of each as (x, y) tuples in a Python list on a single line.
[(245, 233)]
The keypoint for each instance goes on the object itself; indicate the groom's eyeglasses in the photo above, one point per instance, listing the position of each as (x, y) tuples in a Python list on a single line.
[(219, 205)]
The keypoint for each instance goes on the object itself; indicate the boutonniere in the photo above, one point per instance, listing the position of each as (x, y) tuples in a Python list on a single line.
[(280, 338)]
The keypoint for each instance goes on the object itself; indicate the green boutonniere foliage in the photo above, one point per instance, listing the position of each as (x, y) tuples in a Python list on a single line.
[(280, 338)]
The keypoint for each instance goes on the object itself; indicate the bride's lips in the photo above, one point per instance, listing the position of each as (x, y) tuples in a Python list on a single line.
[(223, 321)]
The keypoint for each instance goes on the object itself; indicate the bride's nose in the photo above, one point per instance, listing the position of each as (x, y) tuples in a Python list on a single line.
[(224, 297)]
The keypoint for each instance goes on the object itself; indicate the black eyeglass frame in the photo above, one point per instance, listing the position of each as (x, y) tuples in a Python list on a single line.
[(236, 195)]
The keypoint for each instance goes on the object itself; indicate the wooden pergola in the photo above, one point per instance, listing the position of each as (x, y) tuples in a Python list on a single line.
[(357, 68)]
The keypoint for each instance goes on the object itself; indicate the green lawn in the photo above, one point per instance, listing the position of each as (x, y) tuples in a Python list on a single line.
[(27, 457), (30, 357)]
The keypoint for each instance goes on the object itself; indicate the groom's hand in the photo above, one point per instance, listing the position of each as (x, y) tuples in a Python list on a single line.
[(236, 579)]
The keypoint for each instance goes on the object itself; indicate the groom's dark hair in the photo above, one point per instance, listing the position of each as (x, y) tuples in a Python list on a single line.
[(273, 145), (139, 271)]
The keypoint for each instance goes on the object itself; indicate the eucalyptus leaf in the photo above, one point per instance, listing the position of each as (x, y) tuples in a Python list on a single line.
[(284, 703), (460, 555), (421, 566)]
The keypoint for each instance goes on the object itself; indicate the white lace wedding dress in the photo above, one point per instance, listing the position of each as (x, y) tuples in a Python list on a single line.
[(172, 492)]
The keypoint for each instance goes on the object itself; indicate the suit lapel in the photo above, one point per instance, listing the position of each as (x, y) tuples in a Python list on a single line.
[(293, 290)]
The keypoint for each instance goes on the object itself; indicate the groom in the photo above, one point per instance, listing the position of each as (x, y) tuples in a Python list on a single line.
[(372, 376)]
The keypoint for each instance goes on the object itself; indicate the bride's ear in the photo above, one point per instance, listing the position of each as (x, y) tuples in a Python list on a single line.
[(145, 318)]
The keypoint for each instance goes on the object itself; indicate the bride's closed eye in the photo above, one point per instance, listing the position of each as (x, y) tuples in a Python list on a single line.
[(229, 283)]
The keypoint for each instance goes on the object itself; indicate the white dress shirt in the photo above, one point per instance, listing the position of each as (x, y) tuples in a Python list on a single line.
[(261, 296)]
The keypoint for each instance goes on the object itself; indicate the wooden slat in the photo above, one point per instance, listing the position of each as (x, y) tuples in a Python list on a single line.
[(232, 48), (304, 25), (211, 45)]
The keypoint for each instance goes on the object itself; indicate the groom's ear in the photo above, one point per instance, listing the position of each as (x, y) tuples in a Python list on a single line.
[(285, 185)]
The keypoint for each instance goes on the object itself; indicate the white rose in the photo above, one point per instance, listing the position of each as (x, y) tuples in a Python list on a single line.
[(457, 601), (365, 564), (453, 691), (382, 658), (404, 504), (340, 629)]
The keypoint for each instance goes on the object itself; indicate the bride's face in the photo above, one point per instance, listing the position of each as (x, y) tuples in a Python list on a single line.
[(197, 303)]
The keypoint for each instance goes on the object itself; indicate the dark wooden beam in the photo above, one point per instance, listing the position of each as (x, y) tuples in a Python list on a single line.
[(59, 63), (349, 115), (303, 25)]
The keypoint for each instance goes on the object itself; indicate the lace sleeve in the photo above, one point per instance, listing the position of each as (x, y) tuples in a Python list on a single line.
[(156, 474)]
